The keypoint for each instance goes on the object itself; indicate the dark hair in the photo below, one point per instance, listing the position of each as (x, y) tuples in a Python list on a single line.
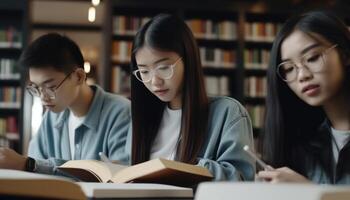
[(169, 33), (290, 122), (52, 50)]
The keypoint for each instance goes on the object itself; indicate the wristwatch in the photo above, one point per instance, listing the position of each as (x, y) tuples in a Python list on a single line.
[(30, 164)]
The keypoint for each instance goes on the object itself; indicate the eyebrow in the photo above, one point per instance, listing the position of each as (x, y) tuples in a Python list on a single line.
[(158, 61), (306, 49), (47, 81)]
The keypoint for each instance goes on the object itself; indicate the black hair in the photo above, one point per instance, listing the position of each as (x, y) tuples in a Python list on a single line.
[(52, 50), (291, 123)]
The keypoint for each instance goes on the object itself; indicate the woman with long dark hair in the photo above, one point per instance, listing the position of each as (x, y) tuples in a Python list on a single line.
[(172, 117), (307, 129)]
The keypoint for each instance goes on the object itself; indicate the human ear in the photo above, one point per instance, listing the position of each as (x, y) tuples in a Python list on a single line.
[(81, 75)]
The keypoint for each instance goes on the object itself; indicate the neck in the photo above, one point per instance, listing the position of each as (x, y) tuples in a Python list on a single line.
[(81, 105), (176, 103), (338, 112)]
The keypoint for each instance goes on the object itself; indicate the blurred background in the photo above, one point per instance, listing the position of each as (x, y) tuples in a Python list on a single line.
[(234, 37)]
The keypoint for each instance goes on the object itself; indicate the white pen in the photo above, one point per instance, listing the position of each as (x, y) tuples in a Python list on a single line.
[(104, 157), (257, 159)]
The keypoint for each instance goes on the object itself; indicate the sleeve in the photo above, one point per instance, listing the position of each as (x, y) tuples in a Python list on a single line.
[(39, 146), (118, 135), (231, 161)]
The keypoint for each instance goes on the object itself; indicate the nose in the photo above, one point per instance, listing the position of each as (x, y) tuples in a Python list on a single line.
[(156, 81), (44, 97), (303, 73)]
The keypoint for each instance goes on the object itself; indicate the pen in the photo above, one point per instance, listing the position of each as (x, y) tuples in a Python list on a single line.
[(104, 157), (258, 160)]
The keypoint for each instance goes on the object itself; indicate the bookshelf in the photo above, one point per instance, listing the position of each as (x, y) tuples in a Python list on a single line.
[(234, 40), (260, 29), (13, 33), (216, 34)]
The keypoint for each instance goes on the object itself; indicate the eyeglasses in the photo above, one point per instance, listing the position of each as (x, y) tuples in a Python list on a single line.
[(49, 92), (162, 71), (314, 62)]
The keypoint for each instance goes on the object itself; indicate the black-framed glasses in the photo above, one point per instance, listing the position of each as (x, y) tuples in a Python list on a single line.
[(49, 92), (314, 62), (163, 71)]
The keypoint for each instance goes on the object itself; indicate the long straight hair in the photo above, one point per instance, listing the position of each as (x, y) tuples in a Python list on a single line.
[(290, 122), (169, 33)]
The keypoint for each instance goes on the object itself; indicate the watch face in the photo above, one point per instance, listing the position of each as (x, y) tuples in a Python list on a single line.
[(30, 164)]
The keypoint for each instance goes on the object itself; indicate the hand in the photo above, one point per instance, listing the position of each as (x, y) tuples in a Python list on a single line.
[(283, 174), (9, 159)]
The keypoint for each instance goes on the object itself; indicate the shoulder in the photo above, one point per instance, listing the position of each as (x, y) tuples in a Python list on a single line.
[(112, 101), (226, 105)]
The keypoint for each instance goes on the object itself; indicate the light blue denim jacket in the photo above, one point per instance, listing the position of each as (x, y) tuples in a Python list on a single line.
[(229, 129), (104, 130)]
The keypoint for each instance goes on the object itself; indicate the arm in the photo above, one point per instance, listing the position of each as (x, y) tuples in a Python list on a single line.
[(41, 145), (118, 135), (9, 159), (230, 161), (283, 174), (38, 151)]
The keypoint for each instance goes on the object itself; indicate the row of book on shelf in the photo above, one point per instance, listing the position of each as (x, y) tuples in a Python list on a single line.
[(255, 86), (8, 127), (213, 57), (206, 29), (217, 85), (10, 96), (256, 58), (216, 57), (127, 25), (121, 51), (8, 69), (224, 29), (10, 37), (210, 29), (261, 31)]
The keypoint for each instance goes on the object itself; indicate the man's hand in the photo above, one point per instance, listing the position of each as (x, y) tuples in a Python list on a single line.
[(9, 159)]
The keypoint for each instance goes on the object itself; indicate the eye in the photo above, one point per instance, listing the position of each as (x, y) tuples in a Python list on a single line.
[(287, 68), (144, 71), (313, 58), (163, 67), (49, 86)]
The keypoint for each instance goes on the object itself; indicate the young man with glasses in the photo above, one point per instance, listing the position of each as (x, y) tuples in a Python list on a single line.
[(80, 120)]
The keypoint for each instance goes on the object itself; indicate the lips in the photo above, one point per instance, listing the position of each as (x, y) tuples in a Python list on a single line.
[(49, 106), (161, 92), (311, 90), (309, 87)]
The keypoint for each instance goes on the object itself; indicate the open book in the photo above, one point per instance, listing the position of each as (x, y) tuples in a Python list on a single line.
[(18, 184), (153, 171), (285, 191)]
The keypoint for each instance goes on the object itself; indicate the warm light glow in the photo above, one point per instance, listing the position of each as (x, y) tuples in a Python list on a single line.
[(92, 14), (37, 115), (87, 67), (95, 2)]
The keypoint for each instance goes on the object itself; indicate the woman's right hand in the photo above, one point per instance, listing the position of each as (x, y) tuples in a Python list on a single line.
[(281, 175)]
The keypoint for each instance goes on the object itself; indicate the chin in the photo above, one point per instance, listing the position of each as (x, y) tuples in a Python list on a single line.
[(56, 110), (164, 99), (314, 102)]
